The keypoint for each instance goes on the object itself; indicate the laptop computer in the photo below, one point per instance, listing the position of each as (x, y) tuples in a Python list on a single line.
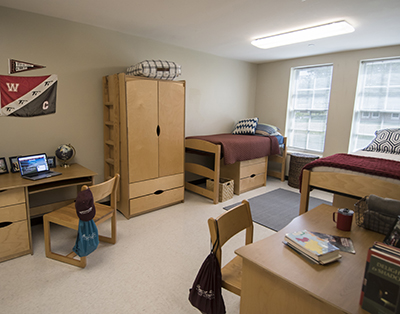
[(35, 167)]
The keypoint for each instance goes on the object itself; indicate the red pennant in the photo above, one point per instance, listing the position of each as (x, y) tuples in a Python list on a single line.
[(16, 66)]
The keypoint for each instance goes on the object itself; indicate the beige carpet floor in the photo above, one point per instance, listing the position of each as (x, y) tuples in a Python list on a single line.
[(149, 270)]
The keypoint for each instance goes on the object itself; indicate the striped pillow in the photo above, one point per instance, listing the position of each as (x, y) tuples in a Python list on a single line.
[(246, 126)]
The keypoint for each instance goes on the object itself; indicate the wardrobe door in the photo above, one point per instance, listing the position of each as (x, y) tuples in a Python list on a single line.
[(172, 127), (142, 122)]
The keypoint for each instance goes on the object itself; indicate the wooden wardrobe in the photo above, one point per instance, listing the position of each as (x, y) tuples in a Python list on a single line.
[(144, 132)]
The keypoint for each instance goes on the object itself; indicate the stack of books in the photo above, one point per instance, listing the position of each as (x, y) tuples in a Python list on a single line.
[(381, 285), (314, 248)]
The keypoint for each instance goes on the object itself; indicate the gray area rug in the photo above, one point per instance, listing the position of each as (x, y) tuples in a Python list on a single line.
[(277, 208)]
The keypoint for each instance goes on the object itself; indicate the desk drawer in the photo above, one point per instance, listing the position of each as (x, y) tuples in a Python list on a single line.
[(14, 240), (153, 201), (12, 196), (13, 213)]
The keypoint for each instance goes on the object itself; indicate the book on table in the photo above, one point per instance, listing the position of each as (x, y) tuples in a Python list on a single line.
[(380, 291), (313, 247), (344, 244)]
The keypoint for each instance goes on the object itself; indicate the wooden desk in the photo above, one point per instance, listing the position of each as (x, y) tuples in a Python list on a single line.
[(16, 212), (277, 280)]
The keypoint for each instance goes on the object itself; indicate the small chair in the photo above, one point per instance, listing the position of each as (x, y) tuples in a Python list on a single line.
[(67, 217), (229, 224)]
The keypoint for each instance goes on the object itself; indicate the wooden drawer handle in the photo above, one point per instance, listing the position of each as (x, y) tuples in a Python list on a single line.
[(252, 176), (5, 224), (158, 192)]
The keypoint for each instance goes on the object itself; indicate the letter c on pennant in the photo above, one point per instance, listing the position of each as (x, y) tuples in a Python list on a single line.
[(45, 105)]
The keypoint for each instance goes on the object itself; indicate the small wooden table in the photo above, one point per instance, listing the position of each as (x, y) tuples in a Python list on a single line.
[(278, 280), (16, 208)]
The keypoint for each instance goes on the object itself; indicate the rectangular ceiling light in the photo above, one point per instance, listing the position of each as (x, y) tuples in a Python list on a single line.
[(297, 36)]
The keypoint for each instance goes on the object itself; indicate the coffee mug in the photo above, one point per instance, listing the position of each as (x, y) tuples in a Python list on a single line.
[(344, 219)]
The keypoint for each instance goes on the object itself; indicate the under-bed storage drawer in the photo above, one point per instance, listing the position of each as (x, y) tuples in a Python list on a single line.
[(247, 175), (157, 193), (251, 182), (252, 167)]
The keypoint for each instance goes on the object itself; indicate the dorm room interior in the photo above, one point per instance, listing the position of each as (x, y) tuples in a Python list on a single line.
[(171, 159)]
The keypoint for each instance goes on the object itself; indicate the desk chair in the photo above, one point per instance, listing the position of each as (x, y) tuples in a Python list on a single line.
[(231, 223), (67, 217)]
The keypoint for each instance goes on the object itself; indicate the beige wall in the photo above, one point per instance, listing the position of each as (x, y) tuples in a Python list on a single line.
[(219, 91), (273, 88)]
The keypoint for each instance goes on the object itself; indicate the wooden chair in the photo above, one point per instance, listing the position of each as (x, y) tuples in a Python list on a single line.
[(66, 216), (229, 224)]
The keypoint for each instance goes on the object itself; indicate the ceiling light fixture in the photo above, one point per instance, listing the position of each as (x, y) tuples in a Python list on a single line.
[(310, 33)]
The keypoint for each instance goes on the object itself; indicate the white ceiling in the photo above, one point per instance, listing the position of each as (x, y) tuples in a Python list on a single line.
[(226, 27)]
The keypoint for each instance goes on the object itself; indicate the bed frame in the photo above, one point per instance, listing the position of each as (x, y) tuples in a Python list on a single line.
[(214, 174), (203, 171), (280, 159), (345, 185)]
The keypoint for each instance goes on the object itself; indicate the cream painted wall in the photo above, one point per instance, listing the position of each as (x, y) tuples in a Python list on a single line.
[(273, 88), (219, 91)]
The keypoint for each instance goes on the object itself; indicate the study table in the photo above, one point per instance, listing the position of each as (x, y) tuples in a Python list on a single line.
[(275, 279), (16, 211)]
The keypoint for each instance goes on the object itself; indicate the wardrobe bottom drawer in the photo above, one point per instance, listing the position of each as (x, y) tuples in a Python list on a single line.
[(250, 183), (14, 240), (154, 201)]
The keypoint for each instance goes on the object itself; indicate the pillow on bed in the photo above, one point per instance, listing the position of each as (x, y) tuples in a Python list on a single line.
[(385, 141), (246, 126), (267, 129)]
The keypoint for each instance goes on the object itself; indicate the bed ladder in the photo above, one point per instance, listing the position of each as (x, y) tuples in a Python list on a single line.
[(111, 126)]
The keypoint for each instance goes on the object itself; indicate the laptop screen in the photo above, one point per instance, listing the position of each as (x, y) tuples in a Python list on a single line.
[(33, 164)]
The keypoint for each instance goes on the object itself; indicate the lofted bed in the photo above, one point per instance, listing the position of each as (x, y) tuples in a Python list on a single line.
[(353, 176)]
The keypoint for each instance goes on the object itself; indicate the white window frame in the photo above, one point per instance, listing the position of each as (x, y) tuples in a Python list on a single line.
[(373, 114), (289, 130)]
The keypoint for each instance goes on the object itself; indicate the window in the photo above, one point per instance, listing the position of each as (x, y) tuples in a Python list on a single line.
[(377, 103), (308, 104)]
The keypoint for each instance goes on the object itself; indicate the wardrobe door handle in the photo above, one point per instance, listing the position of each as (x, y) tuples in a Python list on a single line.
[(158, 131)]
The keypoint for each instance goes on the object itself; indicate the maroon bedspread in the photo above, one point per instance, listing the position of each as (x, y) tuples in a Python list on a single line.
[(242, 147), (369, 165)]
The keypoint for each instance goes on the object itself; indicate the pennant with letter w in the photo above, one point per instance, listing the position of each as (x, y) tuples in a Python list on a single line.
[(28, 96)]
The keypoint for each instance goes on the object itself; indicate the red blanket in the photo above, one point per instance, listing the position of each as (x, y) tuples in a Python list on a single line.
[(242, 147), (370, 165)]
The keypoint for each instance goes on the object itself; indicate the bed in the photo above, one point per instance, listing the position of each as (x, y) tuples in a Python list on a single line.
[(233, 156), (367, 172)]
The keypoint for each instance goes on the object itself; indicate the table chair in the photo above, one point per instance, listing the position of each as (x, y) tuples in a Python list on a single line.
[(229, 224), (67, 217)]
